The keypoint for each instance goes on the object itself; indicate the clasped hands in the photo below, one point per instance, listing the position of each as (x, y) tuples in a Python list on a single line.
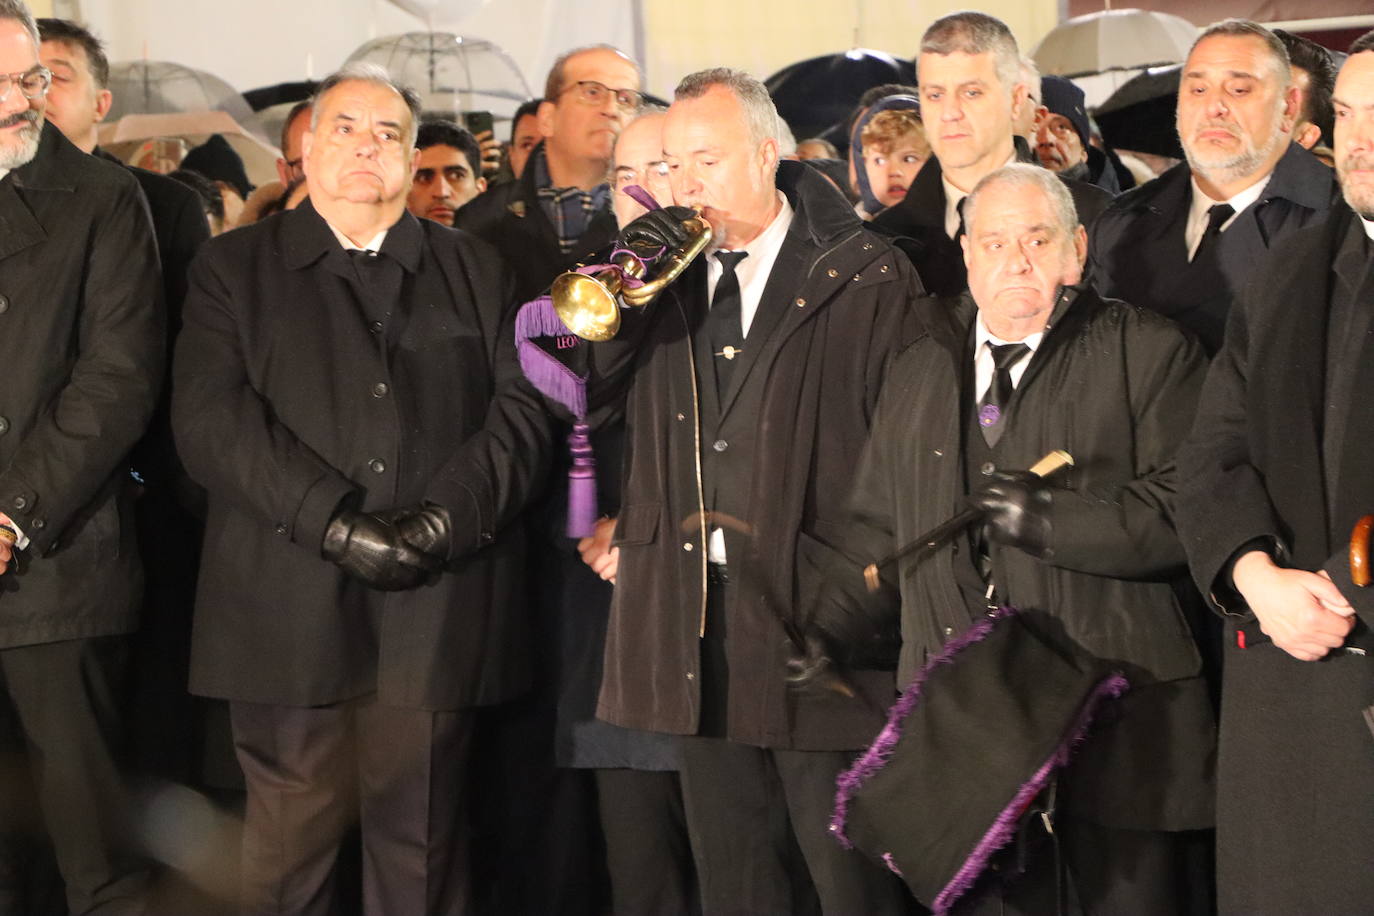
[(391, 550)]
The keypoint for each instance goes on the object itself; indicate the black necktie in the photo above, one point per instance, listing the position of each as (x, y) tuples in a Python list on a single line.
[(724, 326), (1217, 215), (993, 406), (959, 233)]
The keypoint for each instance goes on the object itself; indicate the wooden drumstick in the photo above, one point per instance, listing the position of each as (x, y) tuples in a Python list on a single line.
[(1359, 551)]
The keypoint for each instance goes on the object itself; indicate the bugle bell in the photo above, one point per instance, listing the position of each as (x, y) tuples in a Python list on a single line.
[(589, 304)]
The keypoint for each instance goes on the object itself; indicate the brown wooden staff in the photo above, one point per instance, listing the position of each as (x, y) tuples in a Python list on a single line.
[(1359, 551)]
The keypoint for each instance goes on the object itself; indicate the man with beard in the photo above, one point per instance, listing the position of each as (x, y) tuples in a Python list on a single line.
[(1062, 137), (971, 96), (1272, 479), (1184, 243), (81, 340)]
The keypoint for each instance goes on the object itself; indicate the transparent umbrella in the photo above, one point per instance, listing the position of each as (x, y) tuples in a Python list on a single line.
[(450, 72), (162, 87), (1114, 40)]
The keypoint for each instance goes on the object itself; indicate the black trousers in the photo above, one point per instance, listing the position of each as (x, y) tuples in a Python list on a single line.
[(648, 854), (1096, 871), (758, 820), (315, 773), (59, 730)]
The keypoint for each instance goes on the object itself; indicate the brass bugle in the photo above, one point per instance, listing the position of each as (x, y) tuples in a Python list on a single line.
[(589, 304)]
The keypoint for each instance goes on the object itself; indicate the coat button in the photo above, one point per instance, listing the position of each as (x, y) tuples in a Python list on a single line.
[(379, 390), (858, 277), (20, 502), (801, 303), (691, 676), (4, 425), (378, 465), (832, 273), (687, 547), (720, 445), (281, 529), (988, 468), (868, 246), (4, 304), (883, 269), (375, 327), (38, 524), (682, 416), (949, 631)]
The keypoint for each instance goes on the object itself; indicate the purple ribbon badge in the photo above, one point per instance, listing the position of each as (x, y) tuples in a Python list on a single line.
[(989, 414)]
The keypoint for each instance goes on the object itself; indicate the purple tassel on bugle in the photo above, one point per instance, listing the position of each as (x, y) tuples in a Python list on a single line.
[(582, 504)]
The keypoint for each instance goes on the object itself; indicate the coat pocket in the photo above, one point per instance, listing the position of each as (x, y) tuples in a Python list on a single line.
[(637, 524)]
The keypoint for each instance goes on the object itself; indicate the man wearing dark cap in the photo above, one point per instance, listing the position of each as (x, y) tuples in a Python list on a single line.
[(1184, 243), (1061, 137)]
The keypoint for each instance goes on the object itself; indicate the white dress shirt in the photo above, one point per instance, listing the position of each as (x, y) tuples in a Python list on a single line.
[(1197, 211), (374, 245), (1368, 227), (983, 366), (953, 196), (752, 273)]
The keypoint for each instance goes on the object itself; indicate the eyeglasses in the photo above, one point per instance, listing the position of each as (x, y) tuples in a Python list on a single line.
[(32, 83), (590, 92)]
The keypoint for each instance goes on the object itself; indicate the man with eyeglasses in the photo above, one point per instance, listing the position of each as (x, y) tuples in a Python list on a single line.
[(81, 340), (560, 208)]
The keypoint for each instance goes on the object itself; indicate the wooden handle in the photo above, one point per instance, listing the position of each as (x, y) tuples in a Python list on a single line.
[(1359, 551), (7, 535), (1055, 461)]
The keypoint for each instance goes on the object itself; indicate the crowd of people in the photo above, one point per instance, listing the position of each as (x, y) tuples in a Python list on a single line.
[(674, 586)]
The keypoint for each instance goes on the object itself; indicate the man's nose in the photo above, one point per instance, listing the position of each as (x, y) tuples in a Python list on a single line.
[(444, 189)]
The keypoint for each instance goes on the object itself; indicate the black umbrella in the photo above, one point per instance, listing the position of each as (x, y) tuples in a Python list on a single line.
[(1140, 115), (813, 95)]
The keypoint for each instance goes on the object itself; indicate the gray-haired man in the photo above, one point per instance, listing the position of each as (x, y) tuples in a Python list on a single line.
[(346, 391)]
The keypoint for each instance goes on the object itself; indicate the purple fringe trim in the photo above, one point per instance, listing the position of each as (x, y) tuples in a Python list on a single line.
[(876, 757), (538, 318), (1002, 829)]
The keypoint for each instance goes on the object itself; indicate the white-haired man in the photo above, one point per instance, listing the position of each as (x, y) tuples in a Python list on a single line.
[(1031, 360), (1186, 242), (345, 390), (747, 387)]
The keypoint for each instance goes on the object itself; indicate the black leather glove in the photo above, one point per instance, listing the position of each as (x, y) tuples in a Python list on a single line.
[(371, 548), (1017, 507), (812, 663), (657, 229), (426, 527)]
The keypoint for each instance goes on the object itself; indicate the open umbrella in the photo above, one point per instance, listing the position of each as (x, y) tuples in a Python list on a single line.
[(125, 137), (1140, 115), (450, 72), (813, 95), (1114, 40), (161, 87)]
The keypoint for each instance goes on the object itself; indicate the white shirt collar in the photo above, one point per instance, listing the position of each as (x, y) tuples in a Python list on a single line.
[(374, 245), (1368, 227), (981, 336), (983, 365), (754, 270), (1201, 203), (953, 195)]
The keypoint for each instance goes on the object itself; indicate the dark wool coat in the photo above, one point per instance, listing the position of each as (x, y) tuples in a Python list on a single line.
[(1112, 385), (920, 218), (1137, 249), (295, 390), (81, 339), (1295, 826), (836, 307), (509, 216)]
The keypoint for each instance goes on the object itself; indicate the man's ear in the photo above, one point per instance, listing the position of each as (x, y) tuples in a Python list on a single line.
[(544, 118), (103, 100), (1080, 245), (963, 244), (1020, 97), (1307, 135), (1290, 110), (481, 184)]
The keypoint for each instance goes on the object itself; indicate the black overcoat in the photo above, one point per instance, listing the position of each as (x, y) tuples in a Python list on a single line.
[(1137, 250), (1114, 386), (1295, 827), (292, 391), (81, 339), (836, 307)]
